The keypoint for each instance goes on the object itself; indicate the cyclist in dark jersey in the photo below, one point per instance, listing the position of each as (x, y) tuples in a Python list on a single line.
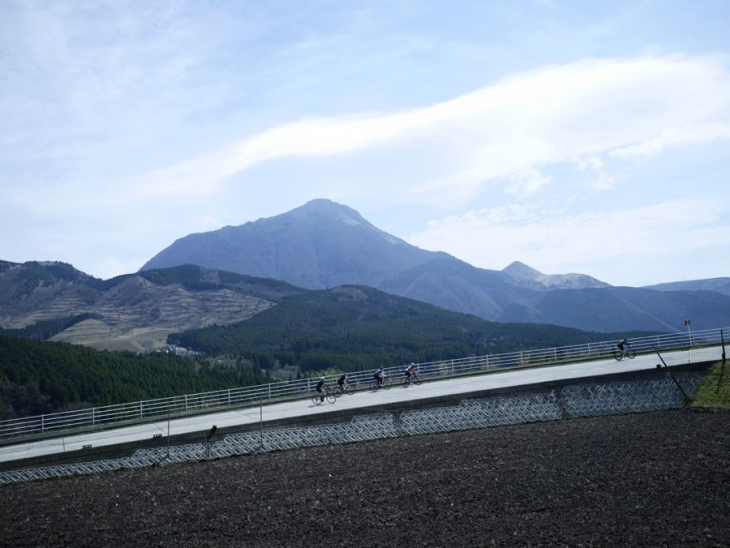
[(409, 371), (379, 375), (321, 387)]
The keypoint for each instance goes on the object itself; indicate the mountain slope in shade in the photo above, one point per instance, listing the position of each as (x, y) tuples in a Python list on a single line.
[(720, 285)]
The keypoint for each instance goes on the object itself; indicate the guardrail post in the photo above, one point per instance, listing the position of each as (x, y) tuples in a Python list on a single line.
[(452, 367), (140, 410), (186, 402), (229, 396), (555, 354), (43, 423), (93, 417), (269, 390)]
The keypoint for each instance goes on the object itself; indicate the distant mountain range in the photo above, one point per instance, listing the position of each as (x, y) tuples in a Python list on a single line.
[(324, 244)]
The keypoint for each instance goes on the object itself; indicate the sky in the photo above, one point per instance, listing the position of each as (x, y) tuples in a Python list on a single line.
[(573, 136)]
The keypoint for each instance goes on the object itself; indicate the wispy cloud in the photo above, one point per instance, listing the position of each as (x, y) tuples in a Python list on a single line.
[(507, 131)]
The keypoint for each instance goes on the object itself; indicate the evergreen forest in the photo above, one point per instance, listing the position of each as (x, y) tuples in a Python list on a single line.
[(43, 377)]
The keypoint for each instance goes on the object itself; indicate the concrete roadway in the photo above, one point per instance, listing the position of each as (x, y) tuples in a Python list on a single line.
[(364, 400)]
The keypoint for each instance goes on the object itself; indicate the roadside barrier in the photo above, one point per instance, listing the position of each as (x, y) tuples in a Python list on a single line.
[(256, 395)]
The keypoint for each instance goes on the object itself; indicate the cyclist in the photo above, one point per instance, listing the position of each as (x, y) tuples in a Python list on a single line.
[(321, 387), (622, 344), (379, 376), (410, 371), (343, 381)]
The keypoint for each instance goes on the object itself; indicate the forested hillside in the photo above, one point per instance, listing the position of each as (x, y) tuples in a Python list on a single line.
[(43, 377), (351, 328)]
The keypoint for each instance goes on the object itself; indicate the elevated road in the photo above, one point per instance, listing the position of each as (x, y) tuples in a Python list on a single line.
[(362, 402)]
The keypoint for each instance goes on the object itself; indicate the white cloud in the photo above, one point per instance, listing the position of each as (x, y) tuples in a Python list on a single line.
[(673, 137), (573, 112), (589, 162), (555, 241), (527, 183)]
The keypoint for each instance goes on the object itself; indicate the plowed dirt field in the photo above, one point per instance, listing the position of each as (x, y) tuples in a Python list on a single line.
[(656, 479)]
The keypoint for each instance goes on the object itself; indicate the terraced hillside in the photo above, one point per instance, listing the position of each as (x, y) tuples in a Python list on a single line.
[(134, 312)]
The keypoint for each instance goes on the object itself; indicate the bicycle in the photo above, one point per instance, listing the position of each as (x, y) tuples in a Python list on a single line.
[(414, 379), (328, 395), (348, 389), (385, 384), (629, 353)]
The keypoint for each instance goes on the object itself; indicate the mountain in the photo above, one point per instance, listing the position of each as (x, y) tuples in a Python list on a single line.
[(529, 277), (720, 285), (130, 312), (319, 245), (323, 244)]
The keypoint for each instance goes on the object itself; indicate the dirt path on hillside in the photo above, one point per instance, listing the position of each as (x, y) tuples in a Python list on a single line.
[(658, 479)]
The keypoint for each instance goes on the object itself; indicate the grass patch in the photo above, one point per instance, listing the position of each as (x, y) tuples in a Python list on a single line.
[(708, 395)]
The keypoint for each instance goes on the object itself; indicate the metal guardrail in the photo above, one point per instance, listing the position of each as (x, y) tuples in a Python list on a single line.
[(255, 395)]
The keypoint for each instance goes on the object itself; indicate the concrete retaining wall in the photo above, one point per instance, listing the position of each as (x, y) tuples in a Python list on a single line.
[(609, 395)]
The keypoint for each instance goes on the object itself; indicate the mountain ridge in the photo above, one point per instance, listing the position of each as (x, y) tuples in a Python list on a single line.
[(323, 244)]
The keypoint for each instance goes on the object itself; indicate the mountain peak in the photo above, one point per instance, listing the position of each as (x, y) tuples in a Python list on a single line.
[(323, 209), (521, 271), (324, 205), (318, 245)]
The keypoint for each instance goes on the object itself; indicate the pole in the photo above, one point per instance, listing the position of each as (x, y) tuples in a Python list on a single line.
[(261, 424), (679, 386), (722, 367)]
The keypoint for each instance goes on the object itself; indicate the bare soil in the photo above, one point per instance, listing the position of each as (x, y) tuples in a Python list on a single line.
[(656, 479)]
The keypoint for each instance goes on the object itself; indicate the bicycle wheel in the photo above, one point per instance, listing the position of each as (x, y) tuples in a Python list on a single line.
[(417, 380), (374, 386), (405, 382), (618, 355), (387, 383), (631, 353), (317, 399), (331, 397), (349, 390)]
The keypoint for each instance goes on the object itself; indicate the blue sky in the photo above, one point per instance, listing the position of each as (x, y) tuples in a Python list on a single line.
[(588, 137)]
